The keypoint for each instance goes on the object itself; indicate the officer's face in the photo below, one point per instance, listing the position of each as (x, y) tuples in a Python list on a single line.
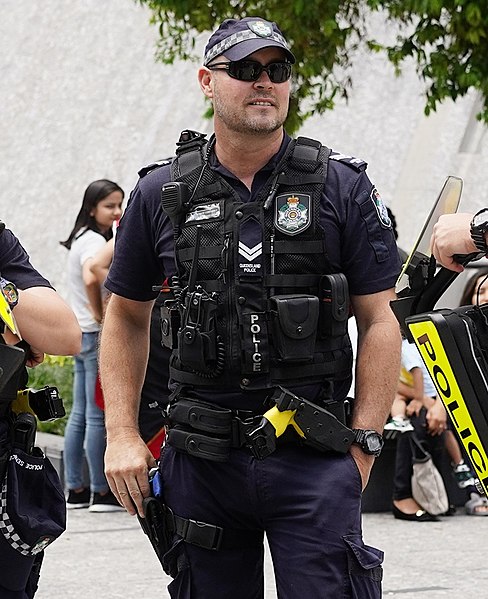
[(108, 210), (250, 106)]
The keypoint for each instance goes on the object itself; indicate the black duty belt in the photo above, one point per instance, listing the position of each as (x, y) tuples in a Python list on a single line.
[(207, 430)]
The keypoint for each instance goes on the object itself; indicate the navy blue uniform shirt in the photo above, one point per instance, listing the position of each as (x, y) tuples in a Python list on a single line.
[(358, 237), (15, 265)]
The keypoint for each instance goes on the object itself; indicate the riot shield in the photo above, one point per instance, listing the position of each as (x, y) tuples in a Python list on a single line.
[(415, 286)]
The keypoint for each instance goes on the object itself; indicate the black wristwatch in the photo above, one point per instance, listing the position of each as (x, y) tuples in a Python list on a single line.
[(371, 442), (478, 228)]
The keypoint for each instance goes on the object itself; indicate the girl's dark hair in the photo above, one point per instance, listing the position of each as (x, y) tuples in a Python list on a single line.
[(94, 193), (471, 285)]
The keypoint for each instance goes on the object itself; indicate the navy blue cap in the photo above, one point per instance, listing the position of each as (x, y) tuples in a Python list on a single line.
[(237, 39), (32, 513)]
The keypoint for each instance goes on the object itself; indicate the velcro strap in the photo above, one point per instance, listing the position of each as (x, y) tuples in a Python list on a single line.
[(201, 416), (205, 253), (303, 371), (201, 446), (291, 280), (285, 246)]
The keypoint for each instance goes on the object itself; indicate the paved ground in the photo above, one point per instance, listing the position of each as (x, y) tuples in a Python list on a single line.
[(107, 555)]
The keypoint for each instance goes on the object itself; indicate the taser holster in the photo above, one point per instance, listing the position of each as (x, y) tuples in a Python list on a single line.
[(318, 427)]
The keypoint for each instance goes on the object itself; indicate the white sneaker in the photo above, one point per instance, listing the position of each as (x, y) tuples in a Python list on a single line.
[(399, 423)]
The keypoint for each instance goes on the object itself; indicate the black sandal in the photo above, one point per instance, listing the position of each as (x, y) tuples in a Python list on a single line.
[(419, 516)]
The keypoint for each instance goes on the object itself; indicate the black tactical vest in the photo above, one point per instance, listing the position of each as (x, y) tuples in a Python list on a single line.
[(255, 302)]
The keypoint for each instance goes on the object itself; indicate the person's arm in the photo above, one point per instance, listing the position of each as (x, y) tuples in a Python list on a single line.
[(416, 404), (101, 261), (124, 349), (451, 235), (46, 322), (93, 291), (377, 367)]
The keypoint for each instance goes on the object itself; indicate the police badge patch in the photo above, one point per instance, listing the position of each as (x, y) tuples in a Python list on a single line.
[(261, 28), (292, 213), (380, 208)]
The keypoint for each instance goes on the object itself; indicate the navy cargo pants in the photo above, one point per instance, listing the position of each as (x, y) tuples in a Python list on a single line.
[(308, 503)]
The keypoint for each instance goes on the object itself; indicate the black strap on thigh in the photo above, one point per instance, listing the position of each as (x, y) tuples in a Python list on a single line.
[(160, 524)]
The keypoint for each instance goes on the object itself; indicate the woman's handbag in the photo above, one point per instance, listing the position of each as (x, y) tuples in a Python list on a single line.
[(428, 488)]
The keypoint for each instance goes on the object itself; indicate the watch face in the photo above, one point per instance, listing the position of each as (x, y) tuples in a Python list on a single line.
[(374, 443), (480, 220)]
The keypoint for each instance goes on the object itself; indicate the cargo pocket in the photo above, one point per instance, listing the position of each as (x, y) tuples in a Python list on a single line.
[(176, 565), (364, 568)]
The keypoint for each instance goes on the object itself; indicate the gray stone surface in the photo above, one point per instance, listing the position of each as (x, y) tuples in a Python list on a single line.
[(82, 98), (107, 555)]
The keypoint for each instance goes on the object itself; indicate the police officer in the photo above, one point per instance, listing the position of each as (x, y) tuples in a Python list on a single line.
[(44, 319), (47, 325), (272, 238)]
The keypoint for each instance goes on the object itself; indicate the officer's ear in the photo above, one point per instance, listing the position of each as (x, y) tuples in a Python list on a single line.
[(205, 80)]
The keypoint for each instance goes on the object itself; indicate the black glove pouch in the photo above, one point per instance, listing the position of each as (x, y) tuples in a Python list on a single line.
[(294, 320)]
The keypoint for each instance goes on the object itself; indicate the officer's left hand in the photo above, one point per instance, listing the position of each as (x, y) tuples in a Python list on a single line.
[(34, 357), (364, 462)]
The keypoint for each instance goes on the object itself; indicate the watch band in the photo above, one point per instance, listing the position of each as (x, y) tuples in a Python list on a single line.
[(478, 231)]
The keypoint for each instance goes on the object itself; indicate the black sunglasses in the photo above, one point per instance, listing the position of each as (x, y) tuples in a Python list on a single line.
[(250, 70)]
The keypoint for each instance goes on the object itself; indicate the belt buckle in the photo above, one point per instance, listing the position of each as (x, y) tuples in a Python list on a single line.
[(203, 535), (241, 423)]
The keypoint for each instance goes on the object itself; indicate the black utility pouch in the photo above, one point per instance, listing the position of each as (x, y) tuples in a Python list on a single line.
[(334, 305), (294, 320)]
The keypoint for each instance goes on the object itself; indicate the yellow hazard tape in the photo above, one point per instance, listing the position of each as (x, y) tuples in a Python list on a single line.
[(435, 358)]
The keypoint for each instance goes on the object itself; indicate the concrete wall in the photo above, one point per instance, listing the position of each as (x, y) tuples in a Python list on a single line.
[(82, 98)]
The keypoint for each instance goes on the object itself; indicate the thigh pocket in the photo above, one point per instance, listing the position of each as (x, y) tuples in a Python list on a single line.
[(364, 568), (176, 564)]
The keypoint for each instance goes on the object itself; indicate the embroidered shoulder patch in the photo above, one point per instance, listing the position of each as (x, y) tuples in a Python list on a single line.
[(381, 210)]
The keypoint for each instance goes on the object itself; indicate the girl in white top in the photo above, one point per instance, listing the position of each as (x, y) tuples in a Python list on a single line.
[(101, 206)]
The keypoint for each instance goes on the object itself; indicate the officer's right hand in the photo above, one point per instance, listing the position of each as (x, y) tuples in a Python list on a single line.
[(451, 236), (127, 463)]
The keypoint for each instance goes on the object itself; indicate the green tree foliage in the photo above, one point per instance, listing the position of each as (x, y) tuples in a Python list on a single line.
[(447, 39)]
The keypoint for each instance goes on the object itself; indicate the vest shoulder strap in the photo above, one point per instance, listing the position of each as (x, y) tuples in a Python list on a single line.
[(190, 152)]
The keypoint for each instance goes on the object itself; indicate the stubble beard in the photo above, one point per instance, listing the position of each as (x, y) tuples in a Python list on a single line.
[(240, 122)]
